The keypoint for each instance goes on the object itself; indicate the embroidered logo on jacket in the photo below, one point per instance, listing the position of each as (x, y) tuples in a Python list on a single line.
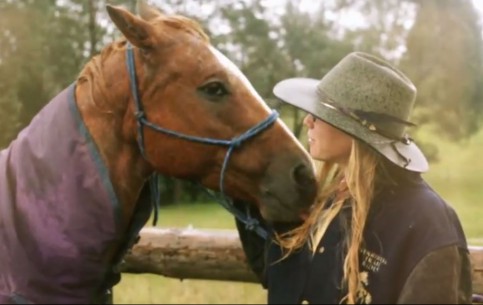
[(371, 261)]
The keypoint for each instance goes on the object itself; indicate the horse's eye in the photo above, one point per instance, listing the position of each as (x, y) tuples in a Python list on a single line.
[(214, 90)]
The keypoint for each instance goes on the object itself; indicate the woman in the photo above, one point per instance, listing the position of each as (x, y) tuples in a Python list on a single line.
[(378, 232)]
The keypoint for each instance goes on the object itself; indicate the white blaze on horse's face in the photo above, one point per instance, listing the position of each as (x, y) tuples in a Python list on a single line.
[(230, 66)]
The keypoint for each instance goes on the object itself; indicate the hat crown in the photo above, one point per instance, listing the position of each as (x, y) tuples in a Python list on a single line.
[(366, 83)]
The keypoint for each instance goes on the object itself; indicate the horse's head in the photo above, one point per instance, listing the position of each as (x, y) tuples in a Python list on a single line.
[(188, 87)]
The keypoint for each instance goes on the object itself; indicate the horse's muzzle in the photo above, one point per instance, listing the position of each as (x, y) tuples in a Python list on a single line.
[(288, 189)]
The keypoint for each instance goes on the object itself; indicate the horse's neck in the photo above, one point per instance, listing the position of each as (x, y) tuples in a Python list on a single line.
[(102, 96)]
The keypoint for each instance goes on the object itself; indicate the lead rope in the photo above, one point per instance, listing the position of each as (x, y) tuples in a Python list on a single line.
[(155, 196)]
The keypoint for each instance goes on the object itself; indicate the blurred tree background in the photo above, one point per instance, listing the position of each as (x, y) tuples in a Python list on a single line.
[(44, 44)]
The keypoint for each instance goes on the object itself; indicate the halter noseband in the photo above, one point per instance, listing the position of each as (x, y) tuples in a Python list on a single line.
[(251, 223)]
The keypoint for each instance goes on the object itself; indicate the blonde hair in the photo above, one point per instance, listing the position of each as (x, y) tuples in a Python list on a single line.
[(339, 186)]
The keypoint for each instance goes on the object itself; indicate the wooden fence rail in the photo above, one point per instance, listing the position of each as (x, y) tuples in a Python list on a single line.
[(214, 255)]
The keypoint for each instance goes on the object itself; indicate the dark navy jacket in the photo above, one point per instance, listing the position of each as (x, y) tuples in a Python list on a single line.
[(405, 225)]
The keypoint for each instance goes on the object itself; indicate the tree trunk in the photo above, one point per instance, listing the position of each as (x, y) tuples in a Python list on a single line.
[(214, 255), (92, 27)]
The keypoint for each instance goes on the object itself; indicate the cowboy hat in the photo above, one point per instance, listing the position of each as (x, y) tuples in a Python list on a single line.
[(366, 97)]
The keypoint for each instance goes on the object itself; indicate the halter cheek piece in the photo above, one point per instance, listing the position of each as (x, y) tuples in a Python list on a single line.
[(226, 202)]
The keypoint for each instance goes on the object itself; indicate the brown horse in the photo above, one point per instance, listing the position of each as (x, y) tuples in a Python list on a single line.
[(161, 100)]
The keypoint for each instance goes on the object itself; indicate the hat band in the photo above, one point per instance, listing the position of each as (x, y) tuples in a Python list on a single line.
[(362, 117)]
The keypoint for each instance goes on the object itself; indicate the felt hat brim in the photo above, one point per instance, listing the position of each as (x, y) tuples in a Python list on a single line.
[(302, 93)]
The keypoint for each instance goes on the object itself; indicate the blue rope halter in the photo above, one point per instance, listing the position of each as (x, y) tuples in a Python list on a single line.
[(251, 223)]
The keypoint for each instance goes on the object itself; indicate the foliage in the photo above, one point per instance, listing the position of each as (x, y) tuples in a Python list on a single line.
[(41, 52), (43, 45), (384, 28), (445, 61)]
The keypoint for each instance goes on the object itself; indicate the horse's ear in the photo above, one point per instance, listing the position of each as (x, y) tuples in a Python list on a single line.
[(138, 31), (146, 11)]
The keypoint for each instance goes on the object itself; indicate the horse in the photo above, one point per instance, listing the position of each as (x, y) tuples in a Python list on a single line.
[(75, 184)]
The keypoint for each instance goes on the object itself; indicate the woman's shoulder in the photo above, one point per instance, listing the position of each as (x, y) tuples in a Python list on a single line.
[(409, 193), (417, 199), (417, 212)]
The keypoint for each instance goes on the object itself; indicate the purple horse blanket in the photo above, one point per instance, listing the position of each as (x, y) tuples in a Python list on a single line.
[(59, 215)]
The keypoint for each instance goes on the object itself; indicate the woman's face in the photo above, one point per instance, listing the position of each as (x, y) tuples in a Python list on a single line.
[(327, 143)]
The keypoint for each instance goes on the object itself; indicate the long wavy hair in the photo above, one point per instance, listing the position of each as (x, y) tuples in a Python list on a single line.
[(353, 185)]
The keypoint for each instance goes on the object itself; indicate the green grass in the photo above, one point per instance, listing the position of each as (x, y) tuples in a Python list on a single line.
[(458, 177), (200, 215), (151, 289)]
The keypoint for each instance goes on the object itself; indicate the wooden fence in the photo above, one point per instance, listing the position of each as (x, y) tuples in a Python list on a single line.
[(214, 255)]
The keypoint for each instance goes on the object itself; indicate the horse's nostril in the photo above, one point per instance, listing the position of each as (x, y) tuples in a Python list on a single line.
[(302, 175)]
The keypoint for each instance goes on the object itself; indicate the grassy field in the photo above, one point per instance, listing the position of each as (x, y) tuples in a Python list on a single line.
[(458, 177)]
